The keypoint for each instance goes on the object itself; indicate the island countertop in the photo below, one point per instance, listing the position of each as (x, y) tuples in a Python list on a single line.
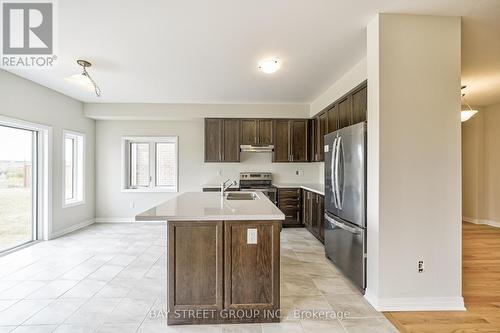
[(211, 206)]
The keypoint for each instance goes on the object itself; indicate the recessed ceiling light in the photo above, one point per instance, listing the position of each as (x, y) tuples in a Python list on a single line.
[(269, 65)]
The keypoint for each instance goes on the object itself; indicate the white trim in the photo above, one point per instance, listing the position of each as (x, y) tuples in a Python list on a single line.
[(79, 189), (491, 223), (44, 172), (121, 220), (416, 303), (72, 228)]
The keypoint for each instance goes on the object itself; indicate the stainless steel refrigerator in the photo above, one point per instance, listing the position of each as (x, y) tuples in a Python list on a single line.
[(345, 201)]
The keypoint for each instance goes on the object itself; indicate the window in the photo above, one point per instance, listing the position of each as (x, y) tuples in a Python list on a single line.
[(73, 168), (150, 164)]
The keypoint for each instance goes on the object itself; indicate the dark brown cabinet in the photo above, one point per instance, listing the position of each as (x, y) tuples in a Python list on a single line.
[(290, 140), (321, 131), (359, 105), (333, 119), (313, 213), (213, 267), (213, 140), (222, 140), (281, 141), (345, 112), (256, 131), (348, 110), (251, 270), (289, 202)]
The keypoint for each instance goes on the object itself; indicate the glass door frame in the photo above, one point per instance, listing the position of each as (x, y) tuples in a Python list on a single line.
[(41, 178)]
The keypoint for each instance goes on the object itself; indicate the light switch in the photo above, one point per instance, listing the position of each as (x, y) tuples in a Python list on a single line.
[(251, 236), (326, 148)]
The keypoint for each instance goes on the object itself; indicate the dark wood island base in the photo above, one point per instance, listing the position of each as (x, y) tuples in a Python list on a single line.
[(223, 272)]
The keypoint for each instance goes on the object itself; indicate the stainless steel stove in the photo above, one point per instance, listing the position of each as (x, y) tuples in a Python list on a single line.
[(259, 181)]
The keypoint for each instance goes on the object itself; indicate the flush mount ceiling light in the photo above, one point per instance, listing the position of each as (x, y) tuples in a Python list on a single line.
[(84, 79), (269, 65), (469, 112)]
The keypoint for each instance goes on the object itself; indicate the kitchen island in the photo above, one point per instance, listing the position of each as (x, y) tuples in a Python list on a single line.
[(223, 257)]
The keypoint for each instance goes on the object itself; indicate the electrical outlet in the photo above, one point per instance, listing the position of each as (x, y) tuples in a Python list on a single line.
[(299, 172), (251, 236), (421, 266), (219, 172), (132, 204)]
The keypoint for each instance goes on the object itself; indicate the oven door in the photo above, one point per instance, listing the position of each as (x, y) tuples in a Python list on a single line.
[(268, 192)]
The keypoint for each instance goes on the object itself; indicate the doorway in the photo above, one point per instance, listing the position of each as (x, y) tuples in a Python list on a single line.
[(18, 186)]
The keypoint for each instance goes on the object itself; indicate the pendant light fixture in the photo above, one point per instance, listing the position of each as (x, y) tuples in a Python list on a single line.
[(469, 112), (84, 79)]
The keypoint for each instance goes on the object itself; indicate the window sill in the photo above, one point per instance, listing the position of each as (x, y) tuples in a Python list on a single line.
[(68, 204), (149, 190)]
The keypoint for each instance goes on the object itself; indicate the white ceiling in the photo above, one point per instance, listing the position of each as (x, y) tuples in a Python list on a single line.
[(167, 51)]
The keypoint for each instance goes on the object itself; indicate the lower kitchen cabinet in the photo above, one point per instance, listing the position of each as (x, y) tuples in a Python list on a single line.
[(313, 212), (212, 267), (289, 202)]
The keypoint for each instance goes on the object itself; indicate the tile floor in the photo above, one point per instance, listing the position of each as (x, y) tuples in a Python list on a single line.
[(112, 278)]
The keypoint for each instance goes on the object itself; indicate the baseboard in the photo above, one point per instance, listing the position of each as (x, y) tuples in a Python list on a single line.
[(491, 223), (71, 228), (121, 220), (416, 303)]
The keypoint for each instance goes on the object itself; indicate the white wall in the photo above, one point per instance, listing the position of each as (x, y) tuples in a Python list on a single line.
[(113, 204), (347, 82), (25, 100), (481, 167), (414, 162)]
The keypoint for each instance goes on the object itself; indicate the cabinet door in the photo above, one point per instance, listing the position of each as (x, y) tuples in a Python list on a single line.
[(322, 121), (314, 214), (265, 132), (231, 140), (312, 140), (251, 269), (213, 140), (248, 131), (298, 138), (359, 105), (345, 112), (195, 271), (321, 217), (281, 141), (333, 119), (306, 208)]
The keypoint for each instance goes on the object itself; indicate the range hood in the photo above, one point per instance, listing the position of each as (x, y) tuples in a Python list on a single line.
[(257, 148)]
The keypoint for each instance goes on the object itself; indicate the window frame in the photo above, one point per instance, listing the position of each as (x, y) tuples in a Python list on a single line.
[(79, 149), (126, 166)]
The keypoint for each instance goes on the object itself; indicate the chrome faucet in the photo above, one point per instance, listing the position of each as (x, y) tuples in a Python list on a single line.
[(224, 187)]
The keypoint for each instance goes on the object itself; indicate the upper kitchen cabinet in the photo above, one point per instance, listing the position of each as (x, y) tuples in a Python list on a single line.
[(359, 105), (213, 140), (256, 131), (222, 140), (281, 140), (322, 130), (345, 112), (290, 140), (299, 140), (333, 119)]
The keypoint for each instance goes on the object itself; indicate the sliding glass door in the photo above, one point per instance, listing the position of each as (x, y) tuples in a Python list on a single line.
[(18, 184)]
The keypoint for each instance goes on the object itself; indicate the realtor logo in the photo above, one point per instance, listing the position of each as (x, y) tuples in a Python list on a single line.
[(27, 29)]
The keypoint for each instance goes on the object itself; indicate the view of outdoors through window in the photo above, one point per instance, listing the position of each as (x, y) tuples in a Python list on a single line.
[(16, 194)]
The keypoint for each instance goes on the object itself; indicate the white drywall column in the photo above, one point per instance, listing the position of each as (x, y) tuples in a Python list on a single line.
[(414, 164)]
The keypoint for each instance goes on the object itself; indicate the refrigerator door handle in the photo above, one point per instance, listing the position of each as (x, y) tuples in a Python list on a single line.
[(332, 171), (342, 225), (336, 174), (340, 187)]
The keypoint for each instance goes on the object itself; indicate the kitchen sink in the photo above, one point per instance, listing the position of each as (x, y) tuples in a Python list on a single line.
[(242, 196)]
